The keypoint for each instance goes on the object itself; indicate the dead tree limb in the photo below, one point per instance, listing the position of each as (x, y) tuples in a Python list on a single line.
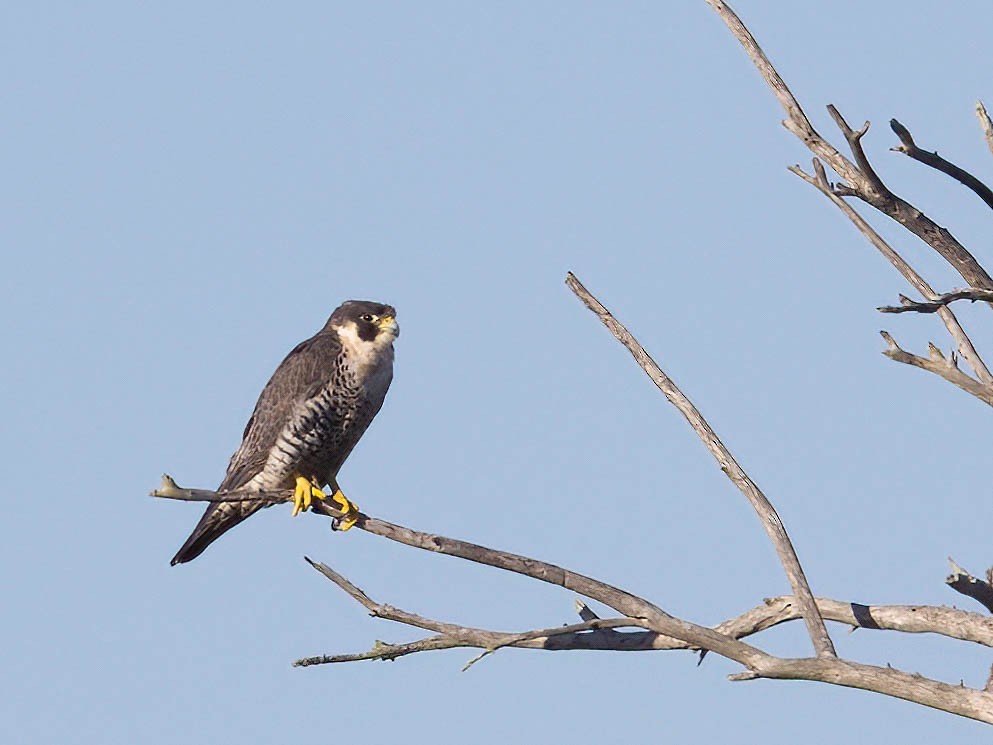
[(596, 634), (767, 514), (940, 365), (661, 630), (965, 346), (909, 148), (949, 622), (938, 301), (860, 179)]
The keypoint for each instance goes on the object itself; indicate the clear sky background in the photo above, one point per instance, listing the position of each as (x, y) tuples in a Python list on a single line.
[(190, 189)]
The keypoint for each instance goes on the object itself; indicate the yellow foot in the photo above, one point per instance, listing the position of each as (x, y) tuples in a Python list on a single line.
[(304, 494), (347, 506)]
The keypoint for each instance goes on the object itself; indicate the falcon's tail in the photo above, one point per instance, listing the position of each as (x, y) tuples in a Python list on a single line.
[(217, 520)]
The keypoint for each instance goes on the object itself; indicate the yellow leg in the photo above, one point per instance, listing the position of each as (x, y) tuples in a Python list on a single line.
[(347, 506), (304, 494)]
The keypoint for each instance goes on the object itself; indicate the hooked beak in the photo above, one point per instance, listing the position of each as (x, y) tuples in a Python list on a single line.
[(389, 325)]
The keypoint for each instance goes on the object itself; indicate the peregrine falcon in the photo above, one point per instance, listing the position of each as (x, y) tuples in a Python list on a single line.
[(310, 415)]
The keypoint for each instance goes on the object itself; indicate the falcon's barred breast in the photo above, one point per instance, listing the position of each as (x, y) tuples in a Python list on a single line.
[(310, 415)]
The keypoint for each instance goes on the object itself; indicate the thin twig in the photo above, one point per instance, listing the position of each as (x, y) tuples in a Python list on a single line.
[(767, 514), (459, 636), (908, 147), (939, 301)]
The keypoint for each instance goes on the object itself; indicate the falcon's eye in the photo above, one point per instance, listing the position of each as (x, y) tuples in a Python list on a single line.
[(368, 317)]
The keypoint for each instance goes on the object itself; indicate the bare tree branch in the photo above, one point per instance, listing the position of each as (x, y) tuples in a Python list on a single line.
[(863, 182), (938, 364), (908, 147), (796, 121), (452, 635), (662, 630), (873, 183), (938, 301), (957, 699), (599, 635), (767, 514), (954, 623), (623, 602), (965, 345), (914, 619)]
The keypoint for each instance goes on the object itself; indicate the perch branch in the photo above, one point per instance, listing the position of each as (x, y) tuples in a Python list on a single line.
[(767, 514), (662, 631), (909, 148), (623, 602), (949, 622)]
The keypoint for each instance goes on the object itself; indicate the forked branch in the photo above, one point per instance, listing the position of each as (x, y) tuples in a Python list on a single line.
[(937, 363), (860, 179), (965, 346), (938, 302), (598, 634), (659, 630)]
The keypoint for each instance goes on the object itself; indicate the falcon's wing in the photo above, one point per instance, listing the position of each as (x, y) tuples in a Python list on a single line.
[(298, 377), (304, 372)]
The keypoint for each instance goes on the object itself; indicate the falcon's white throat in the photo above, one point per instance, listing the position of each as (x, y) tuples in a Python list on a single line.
[(365, 356)]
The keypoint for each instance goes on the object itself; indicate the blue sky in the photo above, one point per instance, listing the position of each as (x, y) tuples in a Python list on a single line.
[(190, 190)]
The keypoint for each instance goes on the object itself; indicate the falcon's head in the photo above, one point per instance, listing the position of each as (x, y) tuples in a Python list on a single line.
[(366, 323)]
